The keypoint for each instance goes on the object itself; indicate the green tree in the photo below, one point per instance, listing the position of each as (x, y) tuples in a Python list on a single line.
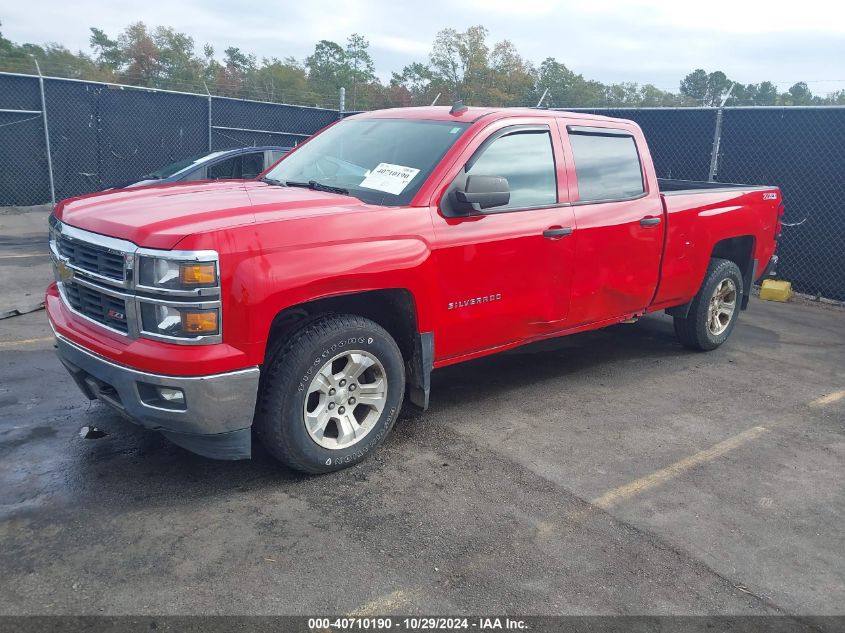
[(705, 89), (178, 66), (798, 94), (326, 68), (460, 61), (359, 66), (415, 85), (282, 80), (141, 55), (767, 94), (107, 53), (513, 79), (566, 88)]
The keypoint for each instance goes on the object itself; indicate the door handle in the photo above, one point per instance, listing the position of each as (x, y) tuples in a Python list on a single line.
[(557, 232), (650, 221)]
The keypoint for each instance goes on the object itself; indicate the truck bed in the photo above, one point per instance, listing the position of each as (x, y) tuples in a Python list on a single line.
[(671, 186)]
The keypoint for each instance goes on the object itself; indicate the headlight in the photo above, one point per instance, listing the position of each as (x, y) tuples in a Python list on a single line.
[(179, 296), (169, 274), (179, 321)]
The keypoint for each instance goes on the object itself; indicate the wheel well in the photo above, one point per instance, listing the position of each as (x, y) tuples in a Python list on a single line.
[(739, 250), (393, 309)]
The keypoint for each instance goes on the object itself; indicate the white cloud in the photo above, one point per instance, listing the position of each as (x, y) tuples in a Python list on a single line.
[(648, 41)]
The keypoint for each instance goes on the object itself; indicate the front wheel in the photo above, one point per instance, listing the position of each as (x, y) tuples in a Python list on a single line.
[(330, 393), (714, 310)]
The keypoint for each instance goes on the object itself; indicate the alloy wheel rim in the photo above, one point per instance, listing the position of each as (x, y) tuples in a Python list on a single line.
[(345, 399), (722, 307)]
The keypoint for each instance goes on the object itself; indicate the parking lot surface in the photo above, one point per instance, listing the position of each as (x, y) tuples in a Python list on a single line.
[(612, 472)]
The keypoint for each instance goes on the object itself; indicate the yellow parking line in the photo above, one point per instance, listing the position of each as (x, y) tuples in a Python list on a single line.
[(379, 606), (661, 476), (829, 398), (26, 341), (24, 255)]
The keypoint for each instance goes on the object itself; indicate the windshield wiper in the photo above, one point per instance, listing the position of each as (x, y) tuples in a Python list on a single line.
[(273, 181), (316, 186)]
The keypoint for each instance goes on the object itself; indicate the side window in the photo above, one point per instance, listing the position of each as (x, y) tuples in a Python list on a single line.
[(607, 165), (252, 165), (275, 154), (526, 159), (226, 169)]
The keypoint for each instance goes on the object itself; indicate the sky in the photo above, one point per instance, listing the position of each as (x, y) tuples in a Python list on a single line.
[(646, 41)]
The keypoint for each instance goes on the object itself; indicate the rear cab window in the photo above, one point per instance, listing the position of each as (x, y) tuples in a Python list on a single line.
[(607, 164)]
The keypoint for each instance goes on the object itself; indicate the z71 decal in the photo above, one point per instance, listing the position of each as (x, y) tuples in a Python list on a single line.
[(770, 196)]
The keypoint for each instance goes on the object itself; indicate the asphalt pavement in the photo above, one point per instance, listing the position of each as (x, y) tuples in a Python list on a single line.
[(611, 472)]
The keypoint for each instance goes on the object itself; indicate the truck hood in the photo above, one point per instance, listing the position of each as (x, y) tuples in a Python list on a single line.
[(161, 216)]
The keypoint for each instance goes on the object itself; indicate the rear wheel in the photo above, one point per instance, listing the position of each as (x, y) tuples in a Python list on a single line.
[(330, 393), (714, 310)]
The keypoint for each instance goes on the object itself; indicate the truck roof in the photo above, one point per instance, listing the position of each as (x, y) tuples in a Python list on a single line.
[(471, 114)]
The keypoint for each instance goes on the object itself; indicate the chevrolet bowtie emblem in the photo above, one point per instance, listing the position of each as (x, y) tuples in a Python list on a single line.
[(65, 271)]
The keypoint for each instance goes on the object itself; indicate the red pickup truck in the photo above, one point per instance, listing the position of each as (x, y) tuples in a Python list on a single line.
[(306, 304)]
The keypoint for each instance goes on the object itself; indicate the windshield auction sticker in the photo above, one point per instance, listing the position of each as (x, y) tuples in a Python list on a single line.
[(389, 178)]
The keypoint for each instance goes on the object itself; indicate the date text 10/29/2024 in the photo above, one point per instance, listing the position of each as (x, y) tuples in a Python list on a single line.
[(416, 624)]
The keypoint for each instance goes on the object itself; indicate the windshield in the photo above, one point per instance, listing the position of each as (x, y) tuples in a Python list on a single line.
[(379, 161)]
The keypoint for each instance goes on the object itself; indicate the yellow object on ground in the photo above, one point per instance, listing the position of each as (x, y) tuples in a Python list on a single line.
[(775, 290)]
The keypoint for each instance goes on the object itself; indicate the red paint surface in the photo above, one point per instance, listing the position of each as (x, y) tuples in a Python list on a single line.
[(283, 246)]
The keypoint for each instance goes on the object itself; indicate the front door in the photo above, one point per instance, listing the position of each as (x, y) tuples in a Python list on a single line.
[(504, 272)]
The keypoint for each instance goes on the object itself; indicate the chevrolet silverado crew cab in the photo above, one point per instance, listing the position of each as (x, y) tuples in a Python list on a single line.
[(305, 305)]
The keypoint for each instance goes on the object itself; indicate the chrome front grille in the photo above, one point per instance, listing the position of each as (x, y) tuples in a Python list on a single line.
[(97, 306), (96, 278), (92, 258)]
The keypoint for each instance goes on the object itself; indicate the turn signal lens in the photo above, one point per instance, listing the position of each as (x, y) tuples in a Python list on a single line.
[(200, 322), (197, 274)]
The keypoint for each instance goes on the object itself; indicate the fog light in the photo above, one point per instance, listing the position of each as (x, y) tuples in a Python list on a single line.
[(171, 394)]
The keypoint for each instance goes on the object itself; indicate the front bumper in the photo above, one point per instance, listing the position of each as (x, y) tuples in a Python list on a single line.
[(213, 417)]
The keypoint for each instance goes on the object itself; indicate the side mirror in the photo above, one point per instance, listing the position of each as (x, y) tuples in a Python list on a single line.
[(483, 192)]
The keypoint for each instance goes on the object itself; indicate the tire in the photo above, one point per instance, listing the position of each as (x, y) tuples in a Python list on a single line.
[(294, 401), (699, 330)]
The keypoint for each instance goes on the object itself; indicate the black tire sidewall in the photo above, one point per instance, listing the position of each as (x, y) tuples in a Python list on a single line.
[(305, 362), (725, 269)]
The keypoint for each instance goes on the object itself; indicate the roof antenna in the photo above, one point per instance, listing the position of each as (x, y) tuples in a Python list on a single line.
[(458, 107)]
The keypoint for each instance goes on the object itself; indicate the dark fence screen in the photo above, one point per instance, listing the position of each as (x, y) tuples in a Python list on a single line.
[(105, 134), (23, 152), (803, 152)]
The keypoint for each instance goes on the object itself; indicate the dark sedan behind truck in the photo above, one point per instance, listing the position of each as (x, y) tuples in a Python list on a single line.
[(227, 164)]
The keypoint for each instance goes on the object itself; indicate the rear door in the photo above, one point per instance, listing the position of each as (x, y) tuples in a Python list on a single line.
[(504, 272), (619, 217)]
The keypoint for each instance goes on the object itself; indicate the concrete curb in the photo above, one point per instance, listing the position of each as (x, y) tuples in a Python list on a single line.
[(7, 314)]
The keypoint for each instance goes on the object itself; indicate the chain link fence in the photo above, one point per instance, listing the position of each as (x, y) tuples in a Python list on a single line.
[(799, 149), (103, 134), (23, 152)]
